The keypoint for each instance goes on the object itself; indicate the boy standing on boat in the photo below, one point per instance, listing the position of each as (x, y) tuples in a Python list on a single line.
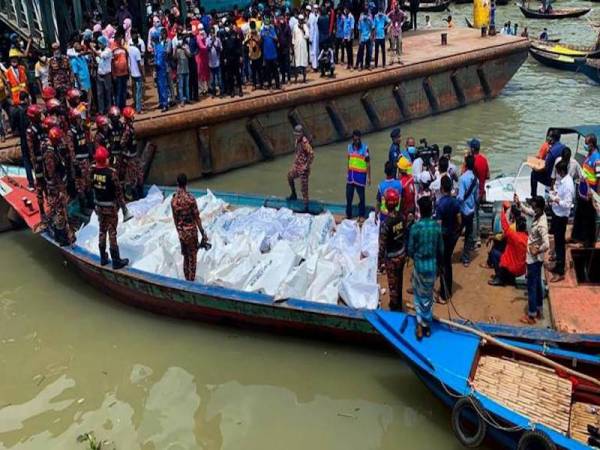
[(188, 223), (426, 248)]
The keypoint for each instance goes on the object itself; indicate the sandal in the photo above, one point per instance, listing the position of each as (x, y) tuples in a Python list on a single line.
[(427, 331), (419, 332), (528, 320)]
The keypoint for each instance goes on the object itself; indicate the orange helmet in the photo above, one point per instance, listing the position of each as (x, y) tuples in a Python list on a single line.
[(52, 105), (34, 112), (392, 198), (128, 113), (101, 156), (55, 135), (48, 92), (74, 114), (114, 112), (50, 122), (73, 94), (101, 121)]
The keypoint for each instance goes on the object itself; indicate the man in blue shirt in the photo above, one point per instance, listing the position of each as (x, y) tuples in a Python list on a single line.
[(447, 212), (468, 188), (390, 182), (269, 41), (395, 151), (348, 36), (365, 37), (340, 18), (545, 176), (380, 23)]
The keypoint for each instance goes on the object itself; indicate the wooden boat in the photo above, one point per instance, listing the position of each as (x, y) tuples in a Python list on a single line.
[(503, 392), (591, 68), (560, 62), (570, 50), (433, 6), (190, 300), (559, 13)]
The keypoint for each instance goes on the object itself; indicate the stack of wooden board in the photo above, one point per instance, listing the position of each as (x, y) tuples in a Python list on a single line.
[(582, 415), (531, 390)]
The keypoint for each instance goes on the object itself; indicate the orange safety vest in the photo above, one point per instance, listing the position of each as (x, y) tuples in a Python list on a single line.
[(17, 85)]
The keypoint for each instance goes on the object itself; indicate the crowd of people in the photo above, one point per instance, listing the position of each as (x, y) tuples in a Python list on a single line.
[(425, 203)]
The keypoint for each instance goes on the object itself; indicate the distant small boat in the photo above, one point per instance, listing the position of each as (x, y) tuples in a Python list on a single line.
[(562, 13), (591, 68), (560, 62), (434, 6), (566, 49), (518, 396)]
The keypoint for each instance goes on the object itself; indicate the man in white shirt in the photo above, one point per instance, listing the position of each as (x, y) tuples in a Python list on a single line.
[(136, 70), (104, 75), (561, 200)]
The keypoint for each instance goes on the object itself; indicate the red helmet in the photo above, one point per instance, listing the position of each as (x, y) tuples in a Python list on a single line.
[(48, 92), (392, 198), (73, 94), (52, 105), (55, 135), (50, 122), (101, 156), (34, 112), (101, 121), (74, 114), (128, 113), (114, 112)]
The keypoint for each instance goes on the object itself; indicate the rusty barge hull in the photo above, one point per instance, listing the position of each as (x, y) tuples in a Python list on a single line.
[(218, 135)]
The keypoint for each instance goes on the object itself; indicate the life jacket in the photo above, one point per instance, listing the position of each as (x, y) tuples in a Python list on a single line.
[(17, 84), (80, 143), (130, 147), (590, 170), (114, 137), (103, 184), (357, 164)]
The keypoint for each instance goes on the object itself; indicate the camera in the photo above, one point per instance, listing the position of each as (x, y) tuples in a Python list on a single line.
[(428, 153)]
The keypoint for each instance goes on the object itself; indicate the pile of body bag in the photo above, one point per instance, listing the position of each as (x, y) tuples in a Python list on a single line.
[(272, 251)]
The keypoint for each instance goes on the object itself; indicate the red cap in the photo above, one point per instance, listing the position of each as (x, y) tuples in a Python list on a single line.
[(74, 114), (48, 92), (34, 112), (128, 113), (55, 135), (114, 112), (52, 104), (392, 198), (101, 121), (49, 122), (101, 156)]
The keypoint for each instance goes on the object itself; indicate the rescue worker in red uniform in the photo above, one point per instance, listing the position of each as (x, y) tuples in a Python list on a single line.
[(108, 198), (74, 102), (392, 247), (102, 138), (188, 223), (303, 158), (47, 93), (80, 149), (133, 175), (115, 136), (35, 137), (55, 174), (55, 108)]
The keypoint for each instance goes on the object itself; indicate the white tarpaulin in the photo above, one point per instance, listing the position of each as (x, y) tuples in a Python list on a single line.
[(275, 252)]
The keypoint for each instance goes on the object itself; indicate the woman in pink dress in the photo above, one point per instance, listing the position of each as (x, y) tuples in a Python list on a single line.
[(202, 62)]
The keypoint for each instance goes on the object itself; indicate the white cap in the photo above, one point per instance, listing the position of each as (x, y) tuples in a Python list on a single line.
[(300, 16), (308, 7)]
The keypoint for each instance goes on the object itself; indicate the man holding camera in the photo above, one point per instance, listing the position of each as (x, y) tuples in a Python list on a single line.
[(188, 223)]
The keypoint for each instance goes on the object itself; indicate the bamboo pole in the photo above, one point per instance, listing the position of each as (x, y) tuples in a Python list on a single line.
[(521, 351)]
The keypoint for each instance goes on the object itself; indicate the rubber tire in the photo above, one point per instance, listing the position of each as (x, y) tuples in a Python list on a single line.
[(535, 440), (468, 441)]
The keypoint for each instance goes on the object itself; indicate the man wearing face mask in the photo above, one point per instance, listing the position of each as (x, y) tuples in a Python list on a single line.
[(16, 76), (60, 76)]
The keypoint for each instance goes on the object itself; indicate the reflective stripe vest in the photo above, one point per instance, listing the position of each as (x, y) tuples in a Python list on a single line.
[(590, 169), (17, 82), (357, 164)]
